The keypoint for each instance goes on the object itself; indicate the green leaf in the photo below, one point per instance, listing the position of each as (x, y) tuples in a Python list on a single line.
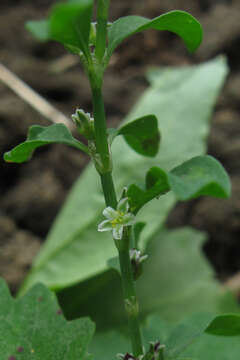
[(202, 175), (156, 185), (34, 326), (225, 325), (40, 29), (168, 286), (40, 136), (210, 347), (188, 283), (137, 230), (69, 23), (178, 22), (107, 345), (186, 332), (66, 243), (142, 135)]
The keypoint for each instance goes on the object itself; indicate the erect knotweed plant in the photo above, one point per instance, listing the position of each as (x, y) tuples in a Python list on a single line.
[(70, 23)]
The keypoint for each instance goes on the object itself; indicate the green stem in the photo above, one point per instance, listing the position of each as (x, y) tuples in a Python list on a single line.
[(102, 146), (129, 293), (108, 190), (105, 170), (102, 18)]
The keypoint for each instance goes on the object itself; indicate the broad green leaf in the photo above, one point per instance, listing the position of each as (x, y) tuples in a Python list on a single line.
[(225, 325), (73, 239), (176, 337), (107, 345), (177, 281), (34, 327), (40, 136), (142, 135), (40, 29), (178, 22), (69, 23), (210, 347), (185, 333), (202, 175)]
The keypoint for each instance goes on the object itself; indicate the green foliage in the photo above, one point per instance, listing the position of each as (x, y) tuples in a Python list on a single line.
[(177, 281), (210, 347), (201, 175), (69, 23), (40, 136), (66, 243), (34, 327), (142, 135), (175, 337), (40, 29), (178, 22), (225, 325)]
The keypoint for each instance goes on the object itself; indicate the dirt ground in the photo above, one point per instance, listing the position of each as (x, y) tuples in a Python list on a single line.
[(32, 193)]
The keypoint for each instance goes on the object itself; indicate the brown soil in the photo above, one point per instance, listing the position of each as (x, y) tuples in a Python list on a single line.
[(33, 193)]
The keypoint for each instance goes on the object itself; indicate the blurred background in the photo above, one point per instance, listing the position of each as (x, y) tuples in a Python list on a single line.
[(32, 193)]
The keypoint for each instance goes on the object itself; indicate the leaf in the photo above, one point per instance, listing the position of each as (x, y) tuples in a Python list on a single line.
[(202, 175), (177, 281), (176, 337), (210, 347), (34, 326), (156, 184), (40, 136), (186, 332), (40, 29), (225, 325), (69, 23), (137, 230), (178, 22), (107, 345), (142, 135), (73, 239)]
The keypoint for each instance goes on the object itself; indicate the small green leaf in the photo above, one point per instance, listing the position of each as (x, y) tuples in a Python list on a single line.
[(69, 23), (34, 327), (142, 135), (156, 185), (202, 175), (225, 325), (40, 29), (178, 22), (39, 136)]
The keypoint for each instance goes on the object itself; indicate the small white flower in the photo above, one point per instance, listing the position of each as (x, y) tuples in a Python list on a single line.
[(117, 219)]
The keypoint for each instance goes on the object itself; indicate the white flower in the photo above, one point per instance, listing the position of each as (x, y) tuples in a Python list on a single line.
[(117, 219)]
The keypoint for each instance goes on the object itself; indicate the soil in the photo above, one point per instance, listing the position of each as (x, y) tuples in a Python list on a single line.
[(32, 193)]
